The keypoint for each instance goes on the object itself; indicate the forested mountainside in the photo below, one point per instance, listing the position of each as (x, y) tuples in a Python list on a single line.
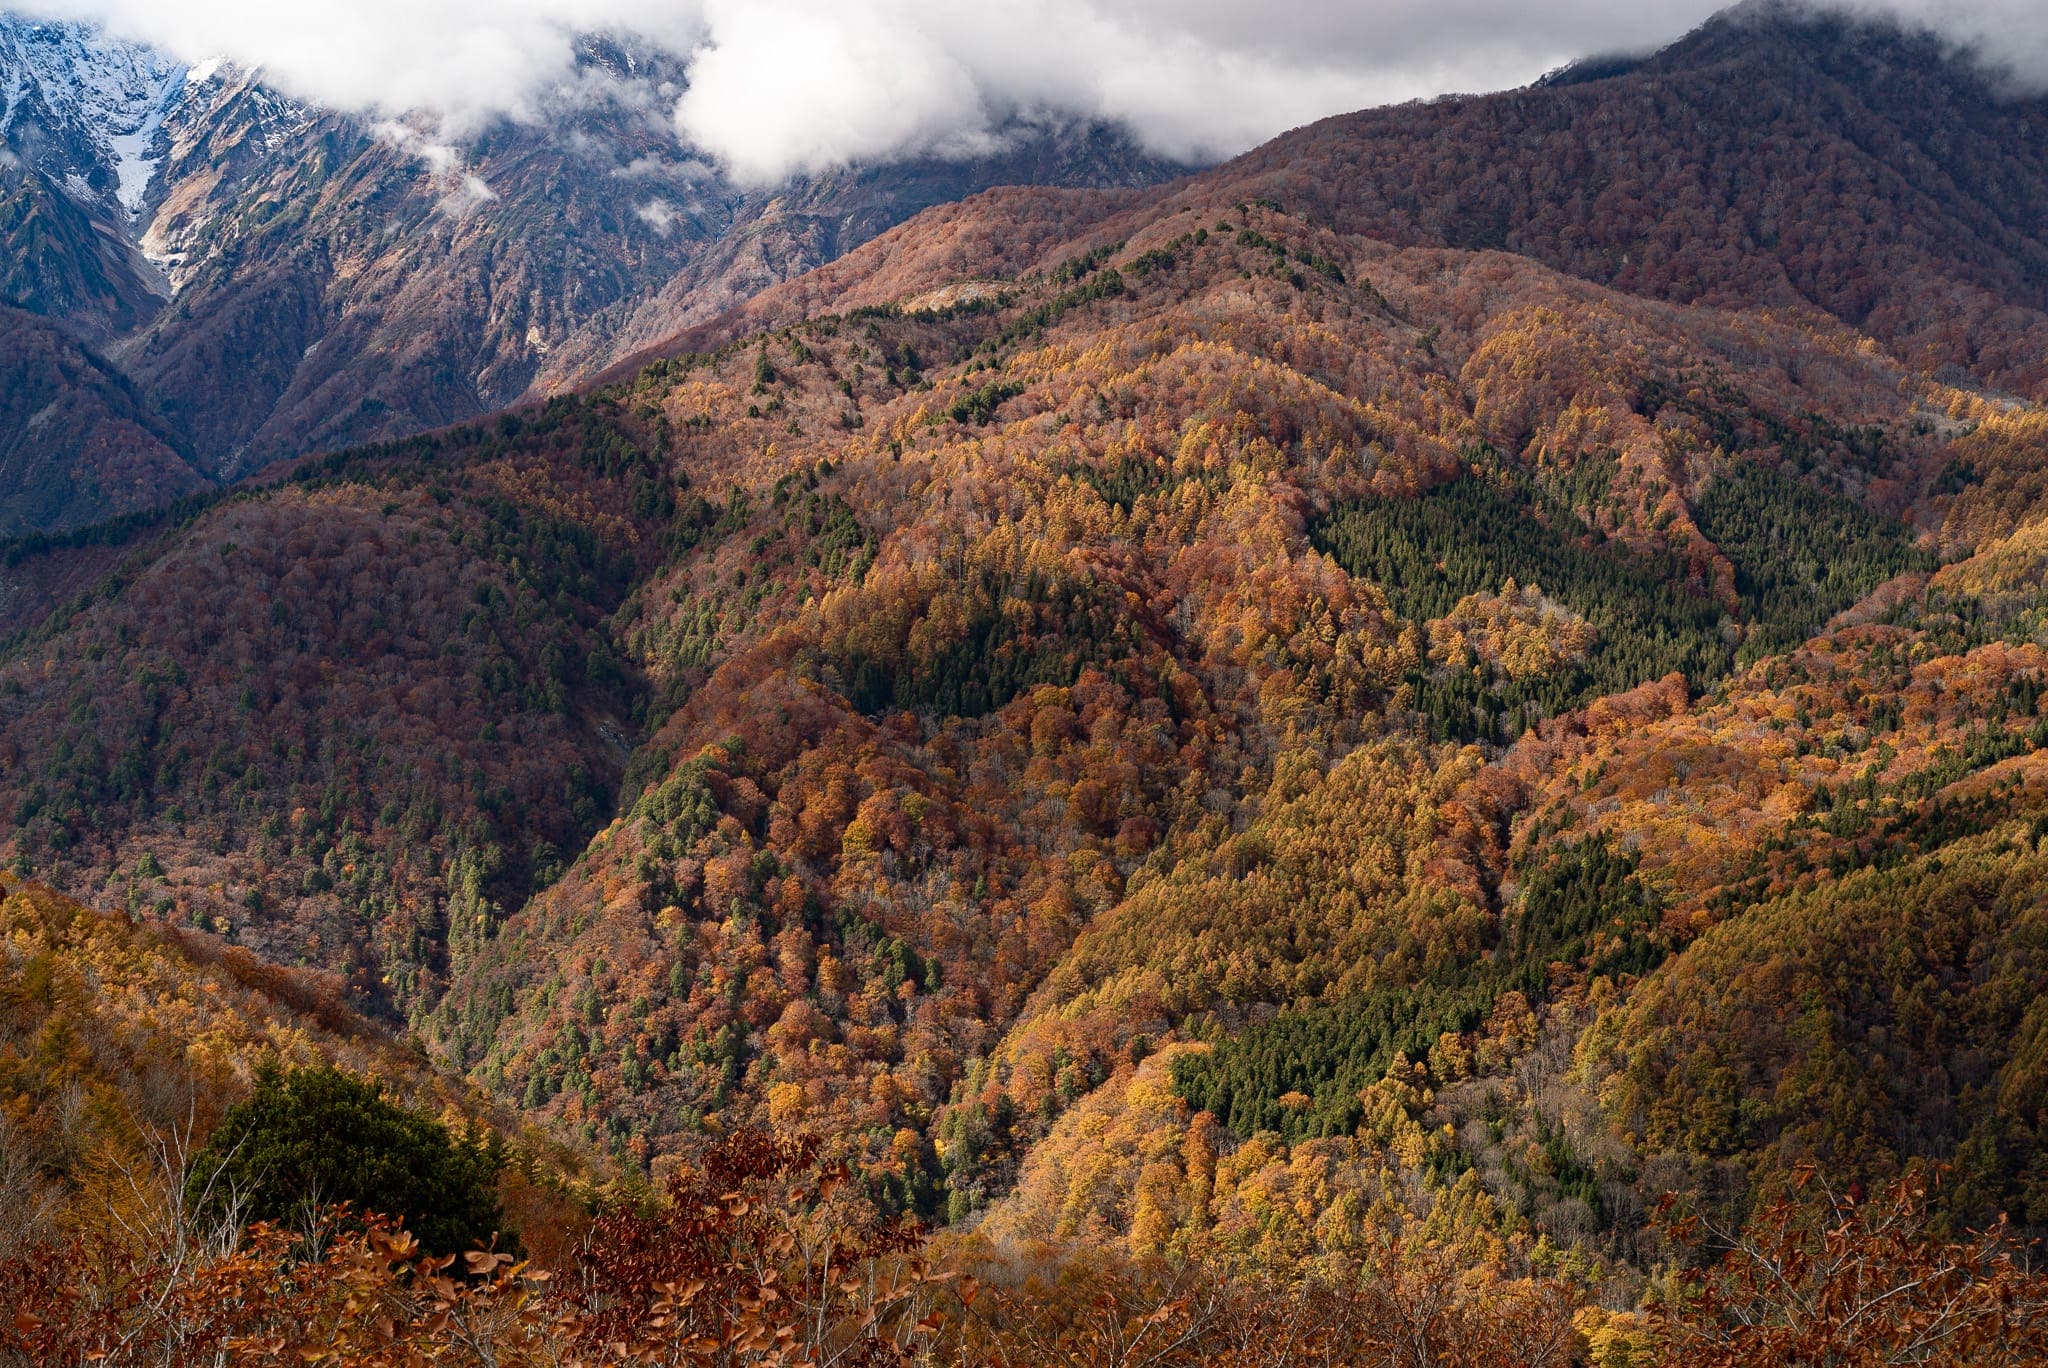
[(1177, 728), (1779, 156), (78, 442), (276, 279)]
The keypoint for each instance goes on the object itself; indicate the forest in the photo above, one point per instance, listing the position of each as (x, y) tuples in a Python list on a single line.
[(1241, 792)]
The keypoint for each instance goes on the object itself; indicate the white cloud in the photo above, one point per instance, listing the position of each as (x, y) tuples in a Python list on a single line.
[(659, 215), (686, 172), (2008, 36), (470, 193), (465, 191), (783, 86), (439, 158)]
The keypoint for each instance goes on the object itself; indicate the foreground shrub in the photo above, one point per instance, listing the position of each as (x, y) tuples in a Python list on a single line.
[(317, 1138)]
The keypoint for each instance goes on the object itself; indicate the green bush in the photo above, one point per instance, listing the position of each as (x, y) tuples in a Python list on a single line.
[(317, 1137)]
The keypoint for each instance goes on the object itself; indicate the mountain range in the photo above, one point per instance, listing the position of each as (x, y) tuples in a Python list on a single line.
[(1476, 666), (258, 279)]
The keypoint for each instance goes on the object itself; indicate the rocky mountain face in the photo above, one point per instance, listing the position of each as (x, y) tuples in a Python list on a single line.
[(276, 279), (80, 121)]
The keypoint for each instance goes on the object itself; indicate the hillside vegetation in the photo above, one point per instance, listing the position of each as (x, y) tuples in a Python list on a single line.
[(1273, 757)]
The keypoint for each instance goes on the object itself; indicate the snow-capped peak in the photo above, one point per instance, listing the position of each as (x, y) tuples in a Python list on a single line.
[(75, 96)]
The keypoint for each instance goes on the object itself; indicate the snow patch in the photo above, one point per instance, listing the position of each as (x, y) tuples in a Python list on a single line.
[(97, 91), (136, 151), (16, 83), (134, 167)]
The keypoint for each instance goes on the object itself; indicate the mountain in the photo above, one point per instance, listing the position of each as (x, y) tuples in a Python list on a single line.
[(1780, 156), (82, 120), (77, 439), (1173, 721), (1777, 156), (277, 279)]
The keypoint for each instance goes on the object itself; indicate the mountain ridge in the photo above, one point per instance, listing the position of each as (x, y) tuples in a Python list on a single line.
[(2003, 270), (298, 280)]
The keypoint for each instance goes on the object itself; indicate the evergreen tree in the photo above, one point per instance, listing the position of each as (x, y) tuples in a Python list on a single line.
[(318, 1136)]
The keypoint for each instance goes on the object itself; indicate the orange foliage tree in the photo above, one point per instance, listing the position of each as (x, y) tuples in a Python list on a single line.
[(1845, 1282)]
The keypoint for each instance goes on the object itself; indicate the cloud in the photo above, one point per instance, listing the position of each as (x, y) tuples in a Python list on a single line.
[(469, 194), (781, 87), (465, 191), (2010, 37), (659, 215), (687, 172)]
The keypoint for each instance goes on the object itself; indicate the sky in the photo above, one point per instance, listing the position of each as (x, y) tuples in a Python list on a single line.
[(780, 87)]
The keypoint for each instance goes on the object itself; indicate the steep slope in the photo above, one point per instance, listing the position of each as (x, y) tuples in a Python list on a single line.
[(409, 285), (1926, 971), (76, 441), (1776, 156), (418, 699), (113, 1033), (815, 221), (79, 122), (61, 263), (330, 329), (1779, 157), (925, 676)]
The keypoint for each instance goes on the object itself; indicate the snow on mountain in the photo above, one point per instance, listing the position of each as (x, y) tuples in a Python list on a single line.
[(337, 282), (17, 81), (86, 109)]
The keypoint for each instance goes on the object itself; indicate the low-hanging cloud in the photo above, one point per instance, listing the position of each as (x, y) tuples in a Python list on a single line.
[(781, 87)]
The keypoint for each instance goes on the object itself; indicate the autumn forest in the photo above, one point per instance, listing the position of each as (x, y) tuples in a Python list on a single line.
[(1301, 766)]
